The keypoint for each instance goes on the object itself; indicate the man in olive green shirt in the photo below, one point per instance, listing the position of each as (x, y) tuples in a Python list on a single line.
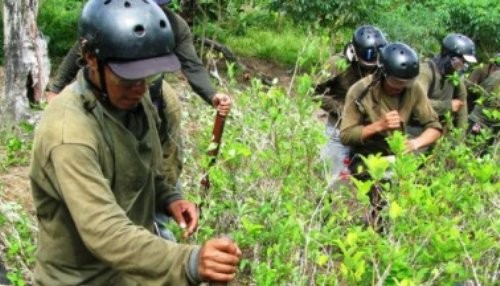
[(358, 61), (96, 168), (479, 117), (440, 78), (477, 76), (381, 103)]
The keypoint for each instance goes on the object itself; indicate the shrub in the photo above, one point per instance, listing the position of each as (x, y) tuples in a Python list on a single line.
[(269, 193), (477, 19), (407, 24), (58, 20)]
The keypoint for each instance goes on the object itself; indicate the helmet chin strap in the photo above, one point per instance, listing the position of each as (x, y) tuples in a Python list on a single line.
[(102, 81)]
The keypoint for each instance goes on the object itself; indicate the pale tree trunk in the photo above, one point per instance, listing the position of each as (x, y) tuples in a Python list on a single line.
[(26, 60)]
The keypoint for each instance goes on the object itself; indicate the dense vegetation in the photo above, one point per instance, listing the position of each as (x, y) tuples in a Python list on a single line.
[(269, 188), (422, 24)]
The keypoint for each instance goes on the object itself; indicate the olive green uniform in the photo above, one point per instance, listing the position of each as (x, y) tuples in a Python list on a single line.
[(477, 76), (441, 92), (366, 104), (96, 184), (191, 65), (491, 88), (169, 108)]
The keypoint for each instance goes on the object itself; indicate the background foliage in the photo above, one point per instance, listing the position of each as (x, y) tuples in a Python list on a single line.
[(58, 21), (422, 24)]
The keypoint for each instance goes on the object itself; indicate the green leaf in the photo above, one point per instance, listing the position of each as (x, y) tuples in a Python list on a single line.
[(395, 210), (377, 166), (343, 269), (362, 189), (322, 260), (406, 282), (351, 239), (397, 142)]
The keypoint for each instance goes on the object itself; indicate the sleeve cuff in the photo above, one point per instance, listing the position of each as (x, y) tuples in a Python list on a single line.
[(170, 198), (52, 88), (208, 97), (192, 267)]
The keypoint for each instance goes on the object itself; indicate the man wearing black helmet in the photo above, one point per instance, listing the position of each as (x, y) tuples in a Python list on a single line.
[(381, 103), (358, 61), (163, 96), (384, 102), (191, 65), (96, 165), (436, 76)]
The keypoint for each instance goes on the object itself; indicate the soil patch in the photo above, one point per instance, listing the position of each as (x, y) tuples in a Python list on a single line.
[(267, 71), (16, 188)]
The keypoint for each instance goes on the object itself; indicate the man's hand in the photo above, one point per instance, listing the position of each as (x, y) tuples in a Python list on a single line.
[(49, 95), (456, 105), (390, 120), (185, 214), (218, 260), (411, 145), (222, 102)]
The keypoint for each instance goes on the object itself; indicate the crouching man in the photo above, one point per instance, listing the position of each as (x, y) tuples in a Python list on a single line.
[(96, 171), (381, 103)]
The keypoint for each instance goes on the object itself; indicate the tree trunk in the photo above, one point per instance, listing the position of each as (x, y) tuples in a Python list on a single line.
[(26, 60)]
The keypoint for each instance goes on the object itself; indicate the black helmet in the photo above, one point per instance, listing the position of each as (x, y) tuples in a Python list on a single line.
[(133, 37), (399, 60), (459, 45), (367, 40)]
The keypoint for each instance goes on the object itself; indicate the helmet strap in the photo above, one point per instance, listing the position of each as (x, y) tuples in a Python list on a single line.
[(102, 80), (443, 62)]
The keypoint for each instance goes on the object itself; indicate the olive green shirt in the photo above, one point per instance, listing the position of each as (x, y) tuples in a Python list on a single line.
[(343, 75), (480, 73), (96, 185), (491, 92), (477, 76), (360, 111), (442, 92), (191, 65)]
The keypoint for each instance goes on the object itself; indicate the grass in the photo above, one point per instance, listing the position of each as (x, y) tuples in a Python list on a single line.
[(282, 44)]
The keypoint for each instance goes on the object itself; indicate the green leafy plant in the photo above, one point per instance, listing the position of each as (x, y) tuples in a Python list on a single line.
[(58, 21)]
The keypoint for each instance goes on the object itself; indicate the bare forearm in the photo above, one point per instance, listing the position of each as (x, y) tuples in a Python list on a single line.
[(371, 129), (429, 136)]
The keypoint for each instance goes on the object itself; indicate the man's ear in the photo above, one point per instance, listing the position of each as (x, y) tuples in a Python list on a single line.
[(91, 60), (350, 53)]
